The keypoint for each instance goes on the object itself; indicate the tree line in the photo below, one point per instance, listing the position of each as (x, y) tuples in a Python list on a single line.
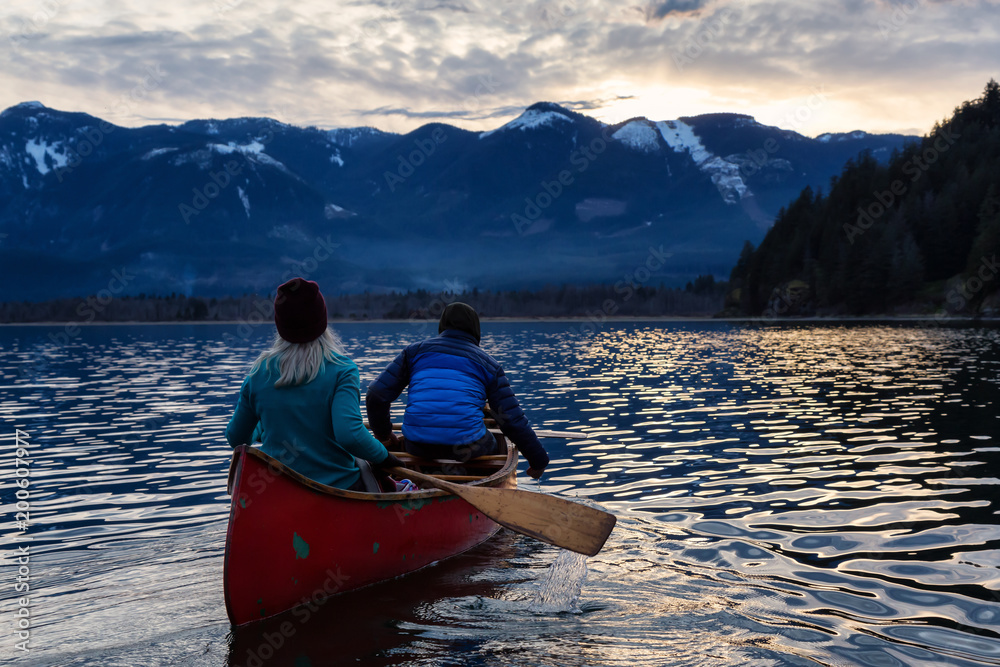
[(701, 297), (919, 235)]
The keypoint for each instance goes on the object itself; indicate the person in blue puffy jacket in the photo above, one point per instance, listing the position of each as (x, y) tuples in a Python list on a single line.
[(450, 379)]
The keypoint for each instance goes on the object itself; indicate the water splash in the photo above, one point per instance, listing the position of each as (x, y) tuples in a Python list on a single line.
[(560, 591)]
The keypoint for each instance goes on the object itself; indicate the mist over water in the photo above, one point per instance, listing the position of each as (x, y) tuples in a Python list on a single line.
[(786, 495)]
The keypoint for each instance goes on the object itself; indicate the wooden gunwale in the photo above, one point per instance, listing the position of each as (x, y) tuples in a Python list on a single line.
[(494, 479), (242, 611)]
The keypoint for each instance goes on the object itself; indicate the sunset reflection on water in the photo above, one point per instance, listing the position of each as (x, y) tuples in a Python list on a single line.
[(786, 495)]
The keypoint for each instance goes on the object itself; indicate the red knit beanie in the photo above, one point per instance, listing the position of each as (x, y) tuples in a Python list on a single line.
[(300, 311)]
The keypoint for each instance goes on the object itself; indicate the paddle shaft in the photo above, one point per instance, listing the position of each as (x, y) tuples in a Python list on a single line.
[(554, 520), (569, 435)]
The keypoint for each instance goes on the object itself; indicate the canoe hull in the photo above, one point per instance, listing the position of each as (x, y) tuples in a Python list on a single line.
[(291, 543)]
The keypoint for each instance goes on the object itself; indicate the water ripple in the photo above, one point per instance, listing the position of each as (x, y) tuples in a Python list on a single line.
[(787, 495)]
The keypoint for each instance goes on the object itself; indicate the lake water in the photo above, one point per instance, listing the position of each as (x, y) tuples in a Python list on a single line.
[(786, 495)]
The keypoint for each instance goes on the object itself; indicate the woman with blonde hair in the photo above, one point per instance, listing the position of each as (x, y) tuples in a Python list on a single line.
[(302, 397)]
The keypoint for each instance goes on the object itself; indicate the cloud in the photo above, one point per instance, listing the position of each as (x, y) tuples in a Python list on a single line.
[(590, 105), (479, 62), (507, 111), (658, 10), (441, 114)]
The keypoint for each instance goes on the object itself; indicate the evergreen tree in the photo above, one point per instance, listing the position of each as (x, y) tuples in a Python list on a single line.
[(882, 232), (906, 273), (983, 258)]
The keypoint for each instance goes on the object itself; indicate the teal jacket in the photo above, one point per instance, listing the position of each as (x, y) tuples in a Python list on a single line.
[(315, 428)]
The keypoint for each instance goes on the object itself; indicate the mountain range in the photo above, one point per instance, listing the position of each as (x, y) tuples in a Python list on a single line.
[(225, 207)]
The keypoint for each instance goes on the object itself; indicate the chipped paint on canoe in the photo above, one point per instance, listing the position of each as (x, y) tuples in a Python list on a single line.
[(410, 504), (301, 547), (343, 529)]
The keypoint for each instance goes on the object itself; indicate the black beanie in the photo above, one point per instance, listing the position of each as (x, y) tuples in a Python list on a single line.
[(300, 311), (460, 316)]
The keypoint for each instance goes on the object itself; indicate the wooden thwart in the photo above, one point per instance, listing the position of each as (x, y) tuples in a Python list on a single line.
[(554, 520), (457, 478), (541, 433), (492, 461), (489, 458)]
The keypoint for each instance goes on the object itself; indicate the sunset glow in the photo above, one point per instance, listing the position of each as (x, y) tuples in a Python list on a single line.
[(879, 66)]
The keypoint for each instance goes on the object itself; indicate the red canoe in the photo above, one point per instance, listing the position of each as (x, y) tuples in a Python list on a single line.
[(293, 541)]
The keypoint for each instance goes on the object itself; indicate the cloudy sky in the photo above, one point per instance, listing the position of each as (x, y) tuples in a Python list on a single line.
[(811, 66)]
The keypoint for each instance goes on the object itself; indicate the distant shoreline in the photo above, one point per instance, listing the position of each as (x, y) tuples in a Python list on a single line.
[(840, 319)]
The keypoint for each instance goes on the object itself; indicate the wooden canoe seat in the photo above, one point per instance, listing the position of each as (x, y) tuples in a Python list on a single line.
[(452, 470), (490, 461), (457, 478)]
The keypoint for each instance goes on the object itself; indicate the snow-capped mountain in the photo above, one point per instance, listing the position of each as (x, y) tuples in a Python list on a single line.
[(217, 207), (538, 116)]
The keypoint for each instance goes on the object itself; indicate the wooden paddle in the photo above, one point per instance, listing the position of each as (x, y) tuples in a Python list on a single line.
[(569, 435), (554, 520)]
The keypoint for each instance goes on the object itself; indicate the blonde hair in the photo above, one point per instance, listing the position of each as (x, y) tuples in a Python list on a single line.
[(300, 363)]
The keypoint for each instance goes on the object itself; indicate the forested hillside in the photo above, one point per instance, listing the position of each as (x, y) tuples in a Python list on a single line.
[(920, 235)]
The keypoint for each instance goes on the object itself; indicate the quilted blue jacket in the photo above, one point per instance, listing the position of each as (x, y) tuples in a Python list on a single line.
[(450, 379)]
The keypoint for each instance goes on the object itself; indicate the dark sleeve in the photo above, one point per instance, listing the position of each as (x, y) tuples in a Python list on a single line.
[(244, 421), (511, 420), (386, 389)]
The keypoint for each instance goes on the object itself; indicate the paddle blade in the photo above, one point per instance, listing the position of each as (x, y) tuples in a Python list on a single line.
[(554, 520)]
